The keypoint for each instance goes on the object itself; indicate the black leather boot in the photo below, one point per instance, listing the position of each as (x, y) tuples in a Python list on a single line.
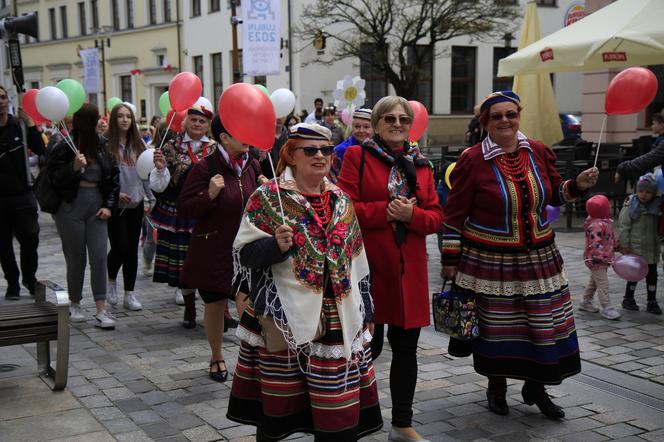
[(496, 395), (189, 320), (534, 393)]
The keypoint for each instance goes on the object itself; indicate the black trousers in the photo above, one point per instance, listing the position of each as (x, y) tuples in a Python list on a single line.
[(18, 218), (651, 284), (403, 370), (124, 231)]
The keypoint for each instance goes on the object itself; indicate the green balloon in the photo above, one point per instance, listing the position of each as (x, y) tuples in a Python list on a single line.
[(263, 89), (74, 92), (164, 103), (112, 102)]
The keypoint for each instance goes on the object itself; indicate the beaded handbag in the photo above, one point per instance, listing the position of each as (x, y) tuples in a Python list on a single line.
[(455, 313)]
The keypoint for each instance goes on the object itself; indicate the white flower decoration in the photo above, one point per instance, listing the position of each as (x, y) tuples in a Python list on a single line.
[(349, 92)]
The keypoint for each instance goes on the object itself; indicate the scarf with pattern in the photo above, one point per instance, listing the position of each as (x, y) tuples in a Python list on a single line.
[(299, 280)]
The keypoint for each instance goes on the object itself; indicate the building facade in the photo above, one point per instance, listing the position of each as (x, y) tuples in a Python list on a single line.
[(139, 62)]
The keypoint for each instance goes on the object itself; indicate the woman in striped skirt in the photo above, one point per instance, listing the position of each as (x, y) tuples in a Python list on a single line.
[(499, 246), (305, 360)]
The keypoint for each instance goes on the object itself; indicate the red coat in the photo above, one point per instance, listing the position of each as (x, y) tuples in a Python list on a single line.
[(399, 276), (209, 261)]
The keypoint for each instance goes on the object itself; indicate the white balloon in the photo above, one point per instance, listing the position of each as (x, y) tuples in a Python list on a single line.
[(283, 101), (145, 164), (52, 103), (204, 102), (130, 106)]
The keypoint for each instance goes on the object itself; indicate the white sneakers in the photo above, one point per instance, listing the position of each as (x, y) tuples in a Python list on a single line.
[(588, 306), (179, 299), (131, 303), (610, 313), (112, 292), (104, 320), (76, 313)]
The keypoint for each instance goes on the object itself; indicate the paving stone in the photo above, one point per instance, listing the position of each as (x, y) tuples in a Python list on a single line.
[(619, 430), (107, 413), (118, 393), (130, 405), (202, 433), (155, 397), (654, 436), (134, 436), (468, 434), (120, 425), (145, 417), (184, 421), (141, 386), (96, 401)]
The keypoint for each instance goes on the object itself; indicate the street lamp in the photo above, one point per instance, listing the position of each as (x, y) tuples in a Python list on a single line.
[(102, 41)]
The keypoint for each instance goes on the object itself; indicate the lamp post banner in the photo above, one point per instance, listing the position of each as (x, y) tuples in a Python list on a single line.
[(90, 59), (261, 37)]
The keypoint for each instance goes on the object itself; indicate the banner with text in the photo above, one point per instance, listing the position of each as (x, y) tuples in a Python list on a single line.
[(261, 43), (90, 59)]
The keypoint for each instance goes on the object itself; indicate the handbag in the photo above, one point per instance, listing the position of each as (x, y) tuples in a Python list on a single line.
[(274, 337), (455, 313), (48, 199)]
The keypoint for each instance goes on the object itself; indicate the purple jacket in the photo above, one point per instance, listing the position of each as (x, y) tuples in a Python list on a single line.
[(209, 261)]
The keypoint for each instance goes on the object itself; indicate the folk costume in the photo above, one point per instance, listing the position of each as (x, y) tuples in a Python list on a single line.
[(323, 385), (497, 235)]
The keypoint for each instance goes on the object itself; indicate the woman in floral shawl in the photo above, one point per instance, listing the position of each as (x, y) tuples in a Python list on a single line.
[(305, 361)]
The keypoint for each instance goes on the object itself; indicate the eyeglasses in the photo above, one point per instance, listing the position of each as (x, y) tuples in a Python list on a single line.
[(510, 115), (404, 120), (311, 151)]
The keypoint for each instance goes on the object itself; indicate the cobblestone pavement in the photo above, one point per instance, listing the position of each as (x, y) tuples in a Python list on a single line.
[(147, 379)]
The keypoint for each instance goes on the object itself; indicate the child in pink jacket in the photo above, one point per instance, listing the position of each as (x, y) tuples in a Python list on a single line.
[(598, 255)]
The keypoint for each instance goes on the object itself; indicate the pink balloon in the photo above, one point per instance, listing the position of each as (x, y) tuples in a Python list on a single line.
[(630, 267), (346, 117), (248, 115), (420, 120), (630, 91), (183, 90)]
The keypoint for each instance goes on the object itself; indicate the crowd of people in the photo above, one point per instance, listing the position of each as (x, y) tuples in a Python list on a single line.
[(326, 253)]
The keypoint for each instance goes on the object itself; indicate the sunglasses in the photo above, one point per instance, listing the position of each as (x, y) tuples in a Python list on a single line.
[(404, 120), (311, 151), (510, 115)]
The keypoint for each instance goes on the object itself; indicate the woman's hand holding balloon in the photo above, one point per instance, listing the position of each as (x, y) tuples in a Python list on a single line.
[(158, 158), (587, 179), (284, 237)]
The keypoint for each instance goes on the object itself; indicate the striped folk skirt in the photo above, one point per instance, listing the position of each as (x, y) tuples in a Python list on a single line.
[(526, 322), (282, 394), (173, 234)]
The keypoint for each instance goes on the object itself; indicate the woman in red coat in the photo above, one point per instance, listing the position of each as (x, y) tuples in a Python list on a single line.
[(214, 194), (393, 192)]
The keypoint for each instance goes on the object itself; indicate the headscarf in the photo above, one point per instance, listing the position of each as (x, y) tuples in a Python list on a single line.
[(498, 97)]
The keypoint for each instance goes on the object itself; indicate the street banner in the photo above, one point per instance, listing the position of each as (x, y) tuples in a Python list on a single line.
[(90, 59), (261, 40)]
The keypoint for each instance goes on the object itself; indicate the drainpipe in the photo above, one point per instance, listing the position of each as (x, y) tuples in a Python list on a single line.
[(177, 9)]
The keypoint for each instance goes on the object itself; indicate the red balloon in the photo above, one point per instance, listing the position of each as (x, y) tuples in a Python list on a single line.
[(30, 107), (630, 267), (178, 120), (420, 120), (183, 90), (248, 115), (630, 91)]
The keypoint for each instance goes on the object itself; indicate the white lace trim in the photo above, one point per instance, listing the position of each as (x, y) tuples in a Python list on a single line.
[(249, 337), (334, 351), (512, 288)]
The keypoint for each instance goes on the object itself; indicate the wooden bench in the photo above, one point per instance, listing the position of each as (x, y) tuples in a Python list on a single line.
[(41, 322)]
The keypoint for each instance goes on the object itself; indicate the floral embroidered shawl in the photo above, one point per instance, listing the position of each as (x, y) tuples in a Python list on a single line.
[(299, 280)]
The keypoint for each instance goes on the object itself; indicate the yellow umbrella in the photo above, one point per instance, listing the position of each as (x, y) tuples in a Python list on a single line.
[(539, 118)]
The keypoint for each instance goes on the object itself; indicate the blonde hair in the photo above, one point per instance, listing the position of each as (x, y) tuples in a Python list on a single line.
[(388, 103)]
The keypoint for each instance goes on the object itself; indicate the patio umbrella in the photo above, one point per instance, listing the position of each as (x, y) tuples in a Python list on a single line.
[(621, 34), (539, 118)]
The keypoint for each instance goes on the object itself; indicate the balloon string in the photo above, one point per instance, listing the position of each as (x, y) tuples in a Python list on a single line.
[(166, 133), (67, 138), (276, 181), (599, 142)]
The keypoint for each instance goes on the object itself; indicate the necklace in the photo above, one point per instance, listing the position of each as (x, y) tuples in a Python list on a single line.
[(513, 167), (321, 205)]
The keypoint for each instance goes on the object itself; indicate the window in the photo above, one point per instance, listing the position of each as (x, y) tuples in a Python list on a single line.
[(215, 5), (92, 98), (376, 80), (115, 13), (197, 63), (81, 19), (167, 11), (160, 59), (463, 79), (34, 85), (125, 88), (95, 14), (152, 11), (422, 56), (130, 14), (217, 86), (195, 8), (552, 3), (501, 83), (63, 21), (53, 23)]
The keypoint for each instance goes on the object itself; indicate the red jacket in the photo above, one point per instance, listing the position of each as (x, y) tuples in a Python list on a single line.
[(209, 261), (399, 276)]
